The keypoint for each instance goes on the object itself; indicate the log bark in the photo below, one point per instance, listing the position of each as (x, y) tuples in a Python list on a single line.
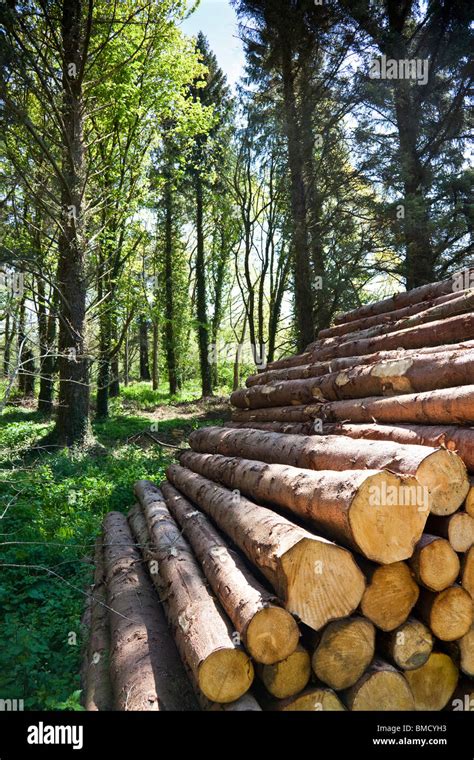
[(467, 572), (289, 676), (386, 378), (278, 414), (432, 334), (434, 563), (381, 688), (433, 684), (268, 631), (458, 529), (98, 688), (316, 580), (222, 670), (343, 652), (390, 595), (442, 472), (379, 514), (448, 613), (452, 437), (408, 646), (400, 300), (446, 406), (145, 674)]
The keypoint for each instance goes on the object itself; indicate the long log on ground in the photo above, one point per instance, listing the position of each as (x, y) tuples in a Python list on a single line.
[(247, 702), (449, 613), (454, 284), (433, 684), (458, 529), (289, 676), (408, 646), (369, 511), (319, 368), (223, 671), (316, 580), (431, 334), (387, 378), (278, 414), (467, 572), (390, 595), (289, 361), (432, 407), (385, 319), (317, 699), (343, 652), (381, 688), (434, 562), (268, 631), (453, 437), (98, 688), (294, 428), (442, 472), (145, 674), (463, 304), (462, 652)]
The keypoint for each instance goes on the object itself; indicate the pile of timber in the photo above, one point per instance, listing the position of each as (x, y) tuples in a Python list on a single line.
[(286, 565)]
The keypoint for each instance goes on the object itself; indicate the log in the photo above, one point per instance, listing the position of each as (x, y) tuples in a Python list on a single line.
[(288, 361), (458, 529), (343, 652), (446, 406), (408, 646), (364, 510), (442, 472), (146, 674), (278, 414), (319, 368), (409, 297), (98, 688), (380, 689), (293, 428), (469, 505), (247, 702), (289, 676), (452, 437), (390, 595), (467, 572), (222, 670), (268, 631), (312, 700), (433, 684), (385, 319), (431, 334), (449, 613), (462, 652), (434, 562), (462, 304), (316, 580)]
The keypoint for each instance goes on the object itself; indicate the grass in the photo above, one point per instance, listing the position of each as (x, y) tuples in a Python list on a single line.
[(51, 510)]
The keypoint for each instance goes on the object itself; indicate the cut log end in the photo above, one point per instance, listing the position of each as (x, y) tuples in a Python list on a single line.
[(344, 652), (444, 475), (390, 596), (450, 613), (438, 565), (225, 675), (434, 683), (380, 691), (387, 506), (323, 582), (409, 645), (315, 700), (288, 677), (272, 635)]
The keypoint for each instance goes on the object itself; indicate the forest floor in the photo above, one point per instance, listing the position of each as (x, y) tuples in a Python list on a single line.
[(51, 509)]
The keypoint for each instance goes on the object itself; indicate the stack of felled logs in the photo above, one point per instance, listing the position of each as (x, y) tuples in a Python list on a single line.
[(300, 560)]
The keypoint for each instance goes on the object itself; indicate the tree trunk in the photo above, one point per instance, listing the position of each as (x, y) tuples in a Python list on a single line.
[(434, 683), (143, 341), (72, 421), (434, 562), (288, 556), (170, 335), (144, 665), (351, 507), (449, 613), (390, 595), (343, 652), (155, 367), (47, 338), (222, 670), (268, 632), (6, 346), (126, 358), (381, 688), (201, 296), (442, 472), (409, 646)]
